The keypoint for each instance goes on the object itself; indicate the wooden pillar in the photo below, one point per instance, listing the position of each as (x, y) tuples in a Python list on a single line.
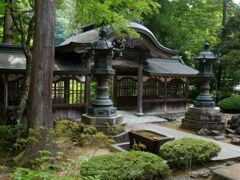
[(187, 92), (165, 94), (140, 91), (5, 106), (114, 91), (87, 91)]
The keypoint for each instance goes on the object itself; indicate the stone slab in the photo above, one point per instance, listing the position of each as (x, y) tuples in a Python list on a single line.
[(90, 120), (211, 111), (227, 173), (105, 124)]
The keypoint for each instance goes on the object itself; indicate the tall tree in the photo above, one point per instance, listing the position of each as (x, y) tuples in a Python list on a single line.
[(229, 46), (23, 17), (115, 13), (40, 99), (8, 25), (186, 24)]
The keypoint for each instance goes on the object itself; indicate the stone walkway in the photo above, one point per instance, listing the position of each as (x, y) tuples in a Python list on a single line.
[(228, 151), (130, 117)]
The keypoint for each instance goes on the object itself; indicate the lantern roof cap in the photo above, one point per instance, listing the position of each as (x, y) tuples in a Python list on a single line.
[(206, 53)]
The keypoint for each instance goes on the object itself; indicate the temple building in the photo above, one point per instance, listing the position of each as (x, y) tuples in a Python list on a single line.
[(149, 77)]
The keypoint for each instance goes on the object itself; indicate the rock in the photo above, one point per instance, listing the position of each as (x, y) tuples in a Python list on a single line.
[(230, 135), (238, 131), (215, 133), (216, 167), (219, 137), (234, 122), (171, 119), (203, 173), (229, 163), (229, 131), (235, 141), (194, 175), (204, 132)]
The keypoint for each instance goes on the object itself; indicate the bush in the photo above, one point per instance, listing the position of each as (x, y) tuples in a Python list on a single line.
[(125, 165), (9, 135), (231, 104), (178, 152), (82, 134)]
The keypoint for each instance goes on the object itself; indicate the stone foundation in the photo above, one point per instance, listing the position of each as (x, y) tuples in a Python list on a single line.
[(103, 123), (198, 118)]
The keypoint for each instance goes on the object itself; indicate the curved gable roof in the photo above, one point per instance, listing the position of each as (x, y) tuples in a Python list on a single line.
[(92, 35)]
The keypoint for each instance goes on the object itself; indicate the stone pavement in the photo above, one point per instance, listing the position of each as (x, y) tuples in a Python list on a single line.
[(228, 151), (227, 173), (130, 117)]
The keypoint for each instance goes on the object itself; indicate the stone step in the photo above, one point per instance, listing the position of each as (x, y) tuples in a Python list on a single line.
[(203, 117), (197, 125), (227, 173)]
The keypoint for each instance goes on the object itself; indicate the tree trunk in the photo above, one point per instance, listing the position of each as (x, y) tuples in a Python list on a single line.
[(8, 23), (223, 34), (40, 97)]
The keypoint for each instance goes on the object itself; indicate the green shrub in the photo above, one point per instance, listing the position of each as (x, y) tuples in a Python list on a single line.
[(179, 152), (125, 165), (9, 135), (82, 134), (231, 104)]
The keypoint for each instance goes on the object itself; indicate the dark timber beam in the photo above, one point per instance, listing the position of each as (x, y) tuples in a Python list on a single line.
[(87, 91), (114, 91), (140, 91)]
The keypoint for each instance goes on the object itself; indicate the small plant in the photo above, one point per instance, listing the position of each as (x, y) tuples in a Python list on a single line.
[(138, 146), (81, 134), (231, 104), (111, 131), (125, 165), (10, 133), (179, 152), (45, 170)]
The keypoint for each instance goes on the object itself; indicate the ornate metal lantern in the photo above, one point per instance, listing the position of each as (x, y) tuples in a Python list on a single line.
[(205, 58), (102, 106)]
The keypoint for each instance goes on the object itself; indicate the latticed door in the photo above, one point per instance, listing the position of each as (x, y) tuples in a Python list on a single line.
[(153, 89), (68, 91), (126, 93)]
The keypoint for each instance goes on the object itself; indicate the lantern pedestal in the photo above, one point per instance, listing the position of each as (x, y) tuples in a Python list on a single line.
[(204, 114), (102, 115), (198, 118)]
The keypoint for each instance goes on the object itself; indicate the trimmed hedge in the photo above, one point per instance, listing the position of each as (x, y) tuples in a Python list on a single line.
[(231, 104), (136, 165), (179, 152)]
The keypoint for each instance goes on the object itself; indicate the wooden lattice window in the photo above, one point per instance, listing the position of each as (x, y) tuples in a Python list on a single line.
[(176, 89), (15, 91), (68, 91), (127, 87), (153, 89)]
